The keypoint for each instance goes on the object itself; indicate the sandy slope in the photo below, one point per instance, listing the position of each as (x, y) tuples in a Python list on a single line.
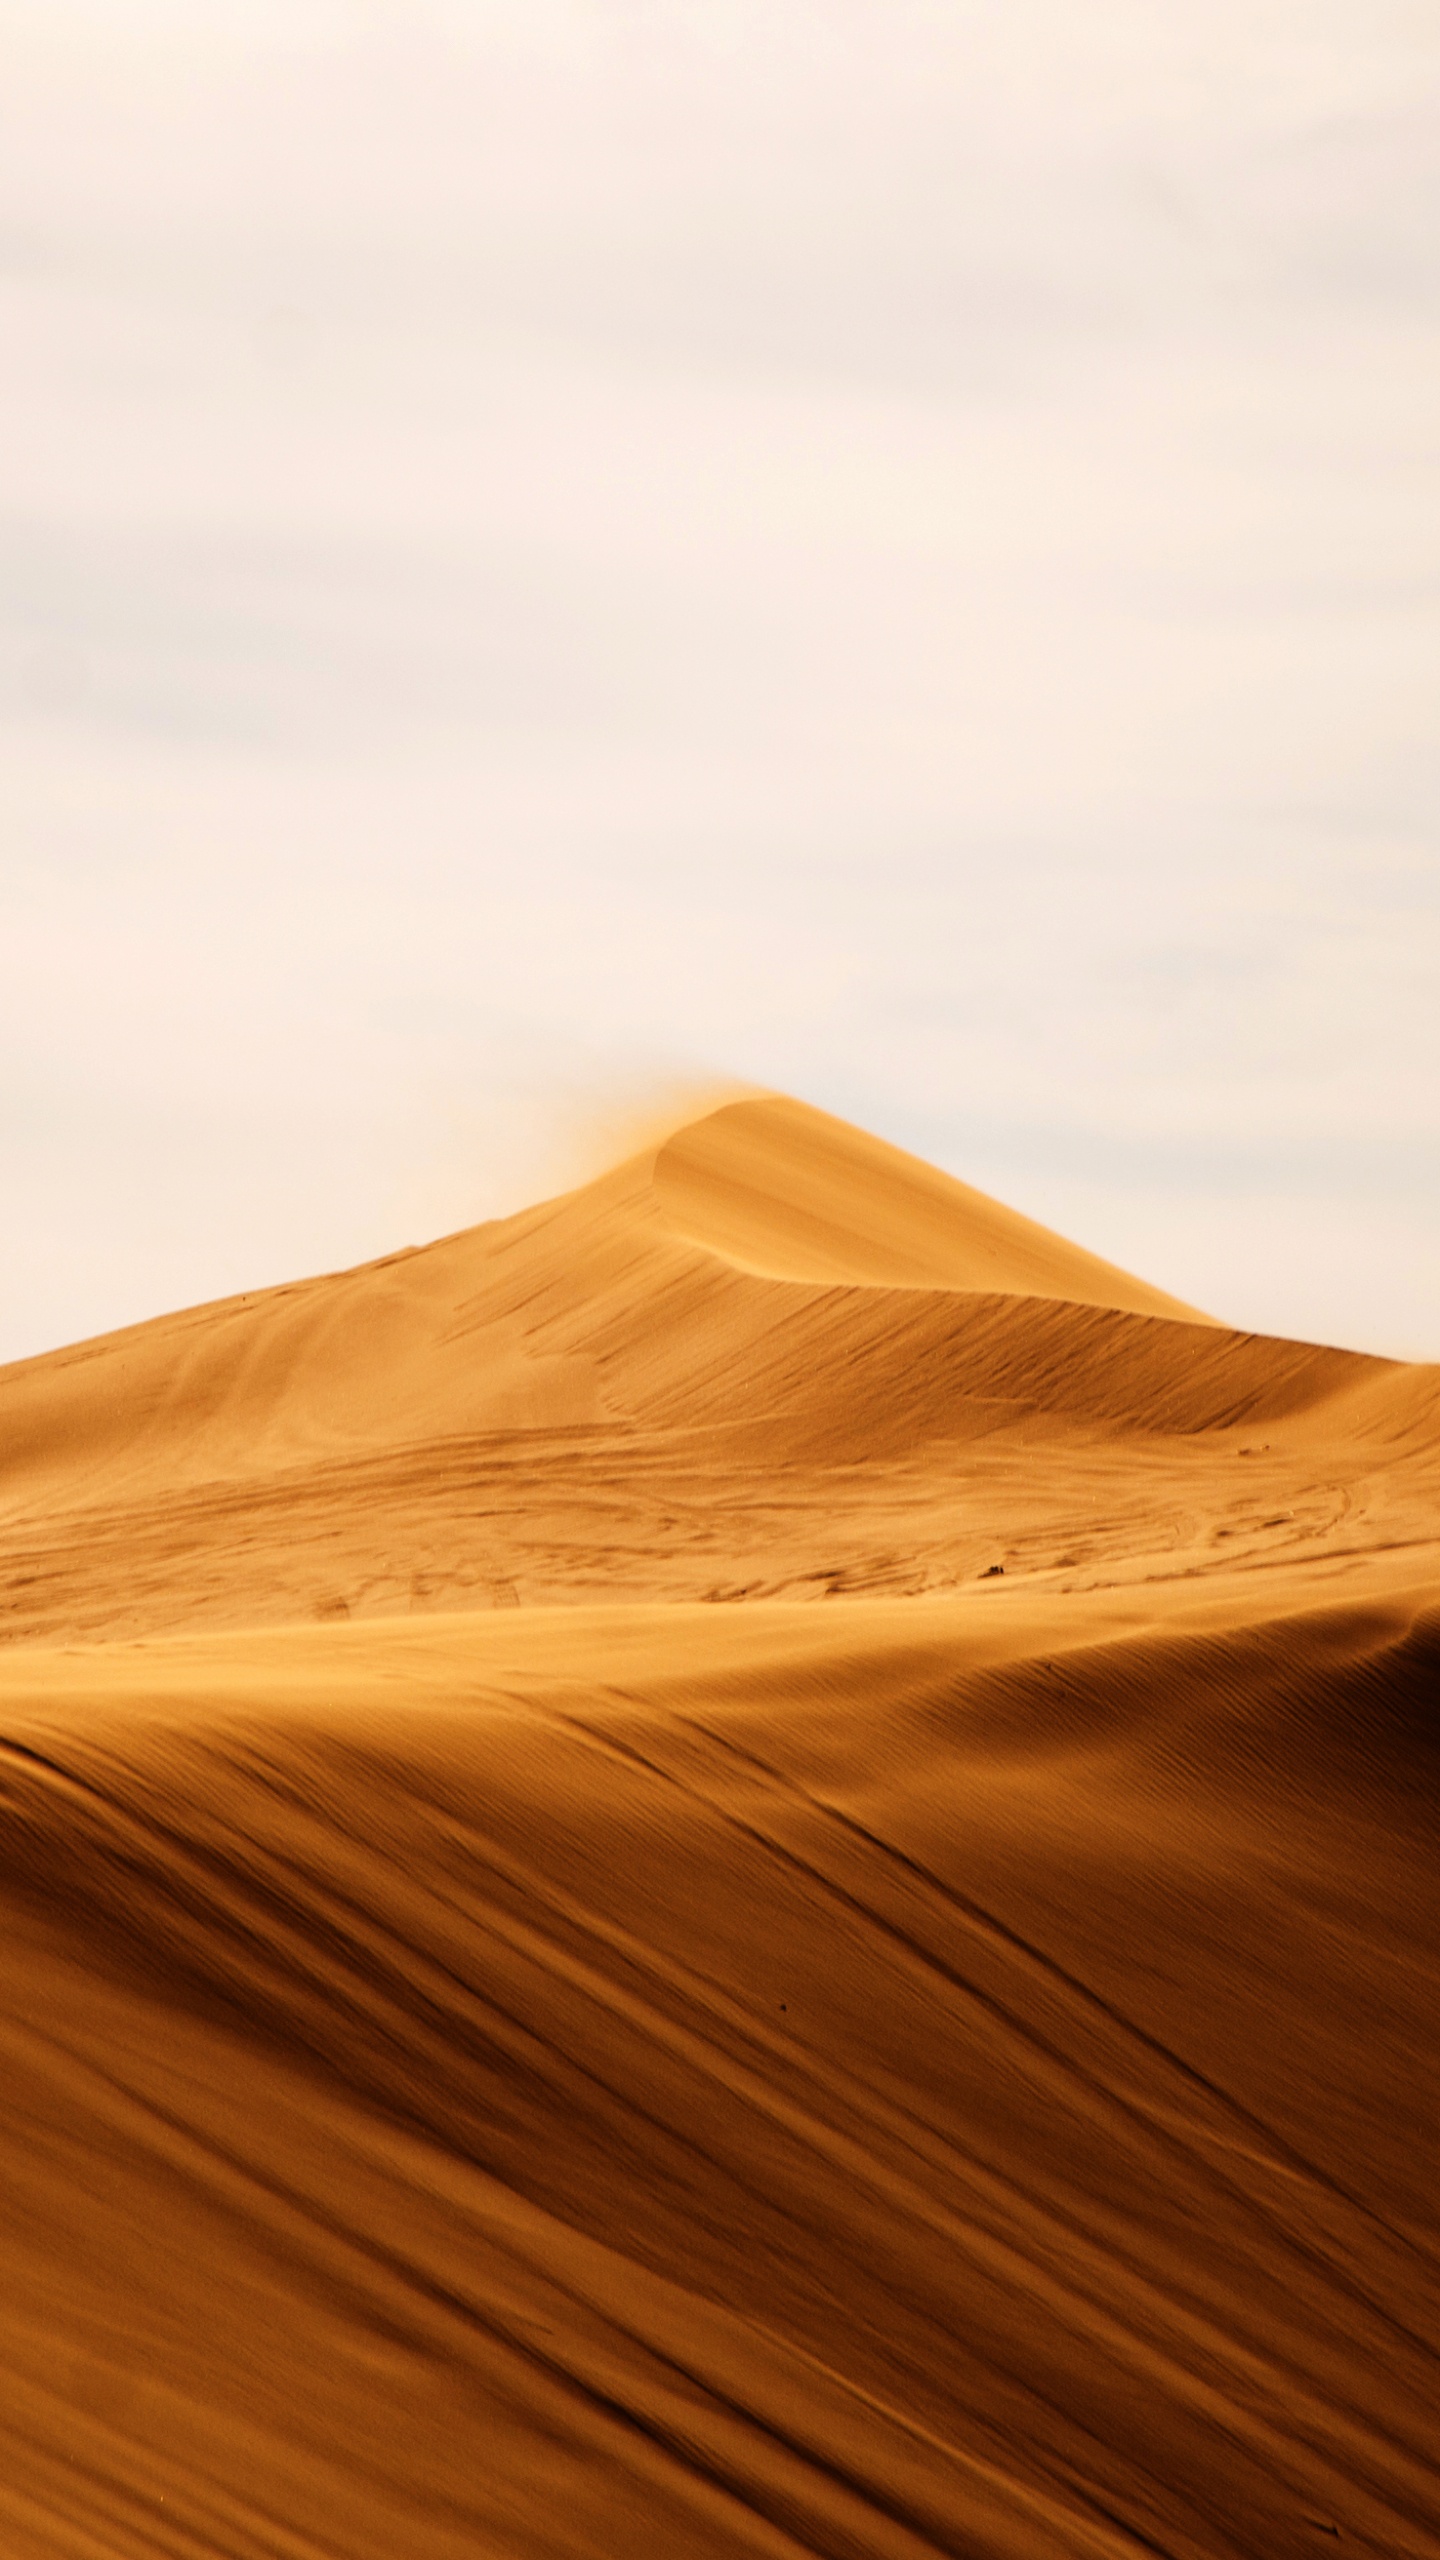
[(950, 2069), (621, 1394)]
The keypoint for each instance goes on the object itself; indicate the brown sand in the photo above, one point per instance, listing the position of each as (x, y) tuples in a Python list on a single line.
[(502, 2056)]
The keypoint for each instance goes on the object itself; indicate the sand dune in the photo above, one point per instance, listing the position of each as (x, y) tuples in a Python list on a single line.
[(502, 2055), (609, 1396)]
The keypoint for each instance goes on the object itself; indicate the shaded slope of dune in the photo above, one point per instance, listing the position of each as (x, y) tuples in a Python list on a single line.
[(856, 2083), (949, 2071)]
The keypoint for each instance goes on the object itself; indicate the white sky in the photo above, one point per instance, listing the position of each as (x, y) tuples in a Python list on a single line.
[(553, 551)]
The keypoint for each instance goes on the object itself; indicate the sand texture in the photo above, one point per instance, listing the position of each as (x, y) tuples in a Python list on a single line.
[(583, 1976)]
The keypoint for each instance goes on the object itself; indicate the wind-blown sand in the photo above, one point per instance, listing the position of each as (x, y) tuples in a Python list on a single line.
[(502, 2055)]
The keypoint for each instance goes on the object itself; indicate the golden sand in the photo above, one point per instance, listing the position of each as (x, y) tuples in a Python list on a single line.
[(501, 2054)]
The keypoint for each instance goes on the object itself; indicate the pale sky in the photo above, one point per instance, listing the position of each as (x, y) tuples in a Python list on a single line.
[(556, 553)]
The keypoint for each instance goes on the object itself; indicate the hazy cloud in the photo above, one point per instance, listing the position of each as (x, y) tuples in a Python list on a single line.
[(889, 550)]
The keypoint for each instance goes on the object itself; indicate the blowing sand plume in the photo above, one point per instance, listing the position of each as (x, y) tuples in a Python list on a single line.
[(502, 2055)]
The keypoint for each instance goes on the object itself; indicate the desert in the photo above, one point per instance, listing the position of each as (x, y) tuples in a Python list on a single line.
[(743, 1865)]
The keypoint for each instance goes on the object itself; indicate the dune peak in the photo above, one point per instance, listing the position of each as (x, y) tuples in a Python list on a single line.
[(788, 1192)]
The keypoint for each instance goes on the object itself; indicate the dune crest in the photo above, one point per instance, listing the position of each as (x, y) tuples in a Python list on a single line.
[(789, 1193)]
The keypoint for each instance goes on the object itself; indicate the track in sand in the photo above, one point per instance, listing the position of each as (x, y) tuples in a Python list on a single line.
[(501, 2054)]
